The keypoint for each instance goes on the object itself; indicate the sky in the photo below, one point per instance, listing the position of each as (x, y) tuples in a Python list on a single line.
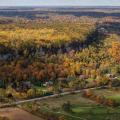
[(59, 2)]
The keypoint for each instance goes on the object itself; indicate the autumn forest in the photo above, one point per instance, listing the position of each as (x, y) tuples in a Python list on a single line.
[(48, 51)]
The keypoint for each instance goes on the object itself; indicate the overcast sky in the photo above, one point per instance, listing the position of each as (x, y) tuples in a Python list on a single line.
[(59, 2)]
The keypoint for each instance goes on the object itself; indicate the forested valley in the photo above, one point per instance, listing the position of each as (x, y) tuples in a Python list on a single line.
[(58, 52)]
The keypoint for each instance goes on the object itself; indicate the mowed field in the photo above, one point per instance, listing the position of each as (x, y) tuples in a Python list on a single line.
[(17, 114)]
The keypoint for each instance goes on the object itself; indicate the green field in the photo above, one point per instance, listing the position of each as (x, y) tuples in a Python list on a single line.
[(81, 108), (110, 94)]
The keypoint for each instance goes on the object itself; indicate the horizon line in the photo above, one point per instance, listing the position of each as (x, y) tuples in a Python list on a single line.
[(59, 5)]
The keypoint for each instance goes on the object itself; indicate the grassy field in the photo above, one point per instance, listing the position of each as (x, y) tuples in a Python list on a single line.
[(81, 108), (76, 99), (111, 94)]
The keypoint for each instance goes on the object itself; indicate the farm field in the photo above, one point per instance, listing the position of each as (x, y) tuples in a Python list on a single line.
[(17, 114), (80, 107)]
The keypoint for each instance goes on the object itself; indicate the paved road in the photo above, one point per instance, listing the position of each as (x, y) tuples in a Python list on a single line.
[(46, 97)]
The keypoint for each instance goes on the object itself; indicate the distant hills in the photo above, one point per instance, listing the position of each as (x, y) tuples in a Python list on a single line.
[(31, 11)]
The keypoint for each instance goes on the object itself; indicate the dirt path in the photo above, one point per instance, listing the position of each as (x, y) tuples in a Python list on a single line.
[(17, 114)]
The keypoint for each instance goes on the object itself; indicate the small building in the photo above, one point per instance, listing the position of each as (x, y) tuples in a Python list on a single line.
[(83, 77), (48, 84), (27, 84), (24, 86), (110, 75)]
